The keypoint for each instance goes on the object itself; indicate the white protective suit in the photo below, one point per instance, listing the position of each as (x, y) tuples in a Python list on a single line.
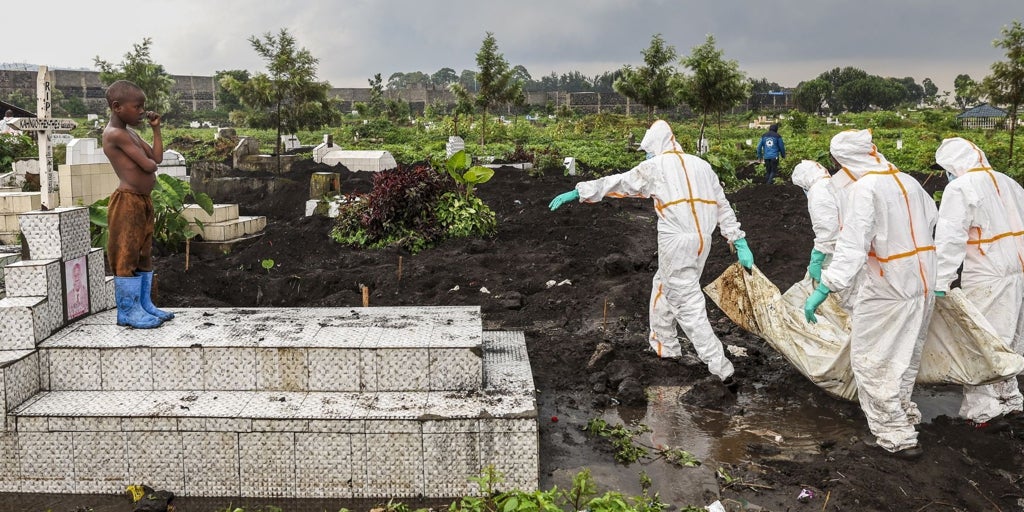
[(887, 232), (690, 203), (822, 205), (980, 225)]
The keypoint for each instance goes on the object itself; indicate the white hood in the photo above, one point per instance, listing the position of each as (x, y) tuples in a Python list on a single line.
[(807, 173), (958, 155), (856, 155), (659, 139)]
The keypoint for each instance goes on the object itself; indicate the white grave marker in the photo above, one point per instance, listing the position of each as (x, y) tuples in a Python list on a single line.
[(43, 126)]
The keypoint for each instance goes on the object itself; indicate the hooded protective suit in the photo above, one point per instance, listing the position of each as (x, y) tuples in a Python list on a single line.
[(822, 205), (887, 231), (980, 225), (690, 203)]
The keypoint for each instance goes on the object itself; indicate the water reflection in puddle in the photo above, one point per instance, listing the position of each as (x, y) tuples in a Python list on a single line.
[(771, 428)]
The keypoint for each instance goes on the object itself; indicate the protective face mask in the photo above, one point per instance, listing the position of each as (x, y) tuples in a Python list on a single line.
[(650, 156), (950, 176)]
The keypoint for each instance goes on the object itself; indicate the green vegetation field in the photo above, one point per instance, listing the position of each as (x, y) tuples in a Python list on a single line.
[(605, 143)]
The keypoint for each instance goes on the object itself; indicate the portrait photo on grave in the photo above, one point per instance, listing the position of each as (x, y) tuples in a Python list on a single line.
[(76, 288)]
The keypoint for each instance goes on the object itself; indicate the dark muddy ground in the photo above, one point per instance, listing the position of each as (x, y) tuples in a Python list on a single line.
[(608, 252)]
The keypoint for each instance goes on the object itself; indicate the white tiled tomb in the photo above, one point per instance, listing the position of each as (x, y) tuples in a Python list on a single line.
[(263, 402)]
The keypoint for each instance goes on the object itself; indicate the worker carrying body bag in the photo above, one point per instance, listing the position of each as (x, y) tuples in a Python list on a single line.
[(961, 347)]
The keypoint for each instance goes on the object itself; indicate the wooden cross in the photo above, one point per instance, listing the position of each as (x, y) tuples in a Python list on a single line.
[(43, 126)]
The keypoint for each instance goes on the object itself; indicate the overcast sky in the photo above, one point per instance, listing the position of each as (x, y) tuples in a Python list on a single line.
[(785, 41)]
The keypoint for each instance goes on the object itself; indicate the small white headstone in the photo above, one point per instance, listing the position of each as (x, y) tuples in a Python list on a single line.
[(172, 157), (899, 143), (91, 117), (455, 144), (325, 147), (193, 124), (289, 142), (703, 147), (570, 165)]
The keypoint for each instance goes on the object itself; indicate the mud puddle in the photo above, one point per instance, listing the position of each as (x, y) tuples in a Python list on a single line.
[(771, 428)]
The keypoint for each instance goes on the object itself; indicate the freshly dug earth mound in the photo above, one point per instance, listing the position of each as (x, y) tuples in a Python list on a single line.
[(587, 340)]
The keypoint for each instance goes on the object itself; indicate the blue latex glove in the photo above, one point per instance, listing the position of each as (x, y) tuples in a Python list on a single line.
[(564, 198), (940, 294), (743, 253), (814, 269), (817, 297)]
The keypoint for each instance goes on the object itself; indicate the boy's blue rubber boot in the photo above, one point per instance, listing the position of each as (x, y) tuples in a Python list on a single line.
[(146, 299), (129, 310)]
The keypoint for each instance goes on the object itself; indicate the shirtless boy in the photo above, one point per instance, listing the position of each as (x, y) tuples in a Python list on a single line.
[(130, 211)]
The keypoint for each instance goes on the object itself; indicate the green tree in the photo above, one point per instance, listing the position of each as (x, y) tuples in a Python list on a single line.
[(914, 92), (651, 84), (377, 104), (228, 101), (400, 80), (836, 78), (1005, 85), (396, 81), (811, 95), (871, 91), (520, 73), (716, 84), (575, 81), (930, 90), (495, 81), (605, 82), (287, 96), (443, 77), (463, 104), (965, 91), (138, 67), (467, 79)]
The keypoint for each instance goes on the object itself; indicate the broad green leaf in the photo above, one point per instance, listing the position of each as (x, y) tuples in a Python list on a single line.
[(458, 161), (204, 201), (478, 174)]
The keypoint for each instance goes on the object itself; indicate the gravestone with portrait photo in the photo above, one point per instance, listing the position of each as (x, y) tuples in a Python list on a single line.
[(61, 280)]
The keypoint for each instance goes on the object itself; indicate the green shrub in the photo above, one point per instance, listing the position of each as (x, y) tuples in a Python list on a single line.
[(462, 216), (399, 211), (13, 147)]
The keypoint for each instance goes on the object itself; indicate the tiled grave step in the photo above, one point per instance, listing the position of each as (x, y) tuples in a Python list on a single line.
[(282, 444), (34, 304), (60, 233), (8, 254), (231, 229), (272, 349), (19, 381), (25, 321), (221, 213)]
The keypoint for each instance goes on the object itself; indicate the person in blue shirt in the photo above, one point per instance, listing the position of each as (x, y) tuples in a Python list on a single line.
[(770, 150)]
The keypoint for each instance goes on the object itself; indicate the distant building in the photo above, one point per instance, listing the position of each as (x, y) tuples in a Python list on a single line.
[(982, 116)]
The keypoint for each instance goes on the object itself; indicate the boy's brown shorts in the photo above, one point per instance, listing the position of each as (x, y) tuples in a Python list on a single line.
[(130, 233)]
